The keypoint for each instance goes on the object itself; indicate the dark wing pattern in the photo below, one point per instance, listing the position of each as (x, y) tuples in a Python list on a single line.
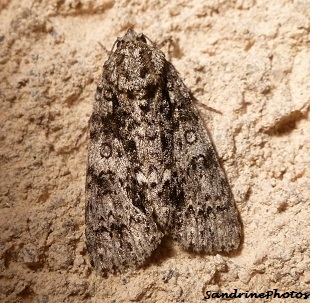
[(205, 216), (152, 169)]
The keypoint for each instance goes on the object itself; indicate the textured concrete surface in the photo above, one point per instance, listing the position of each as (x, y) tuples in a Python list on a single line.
[(249, 60)]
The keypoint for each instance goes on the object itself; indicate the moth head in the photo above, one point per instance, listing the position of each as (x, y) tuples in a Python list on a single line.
[(131, 35)]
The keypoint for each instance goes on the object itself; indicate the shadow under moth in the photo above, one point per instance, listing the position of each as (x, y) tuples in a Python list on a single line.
[(152, 169)]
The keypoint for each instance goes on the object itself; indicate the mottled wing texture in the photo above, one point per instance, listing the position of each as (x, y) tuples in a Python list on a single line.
[(205, 217), (129, 184), (152, 170)]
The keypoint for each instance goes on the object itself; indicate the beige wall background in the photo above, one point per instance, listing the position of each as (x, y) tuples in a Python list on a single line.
[(249, 60)]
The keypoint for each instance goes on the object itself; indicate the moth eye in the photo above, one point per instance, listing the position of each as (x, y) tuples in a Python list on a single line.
[(119, 43), (141, 38)]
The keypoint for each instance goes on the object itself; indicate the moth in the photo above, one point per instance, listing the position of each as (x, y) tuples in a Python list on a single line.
[(152, 169)]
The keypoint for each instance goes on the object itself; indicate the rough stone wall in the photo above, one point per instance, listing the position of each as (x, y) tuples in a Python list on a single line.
[(250, 60)]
